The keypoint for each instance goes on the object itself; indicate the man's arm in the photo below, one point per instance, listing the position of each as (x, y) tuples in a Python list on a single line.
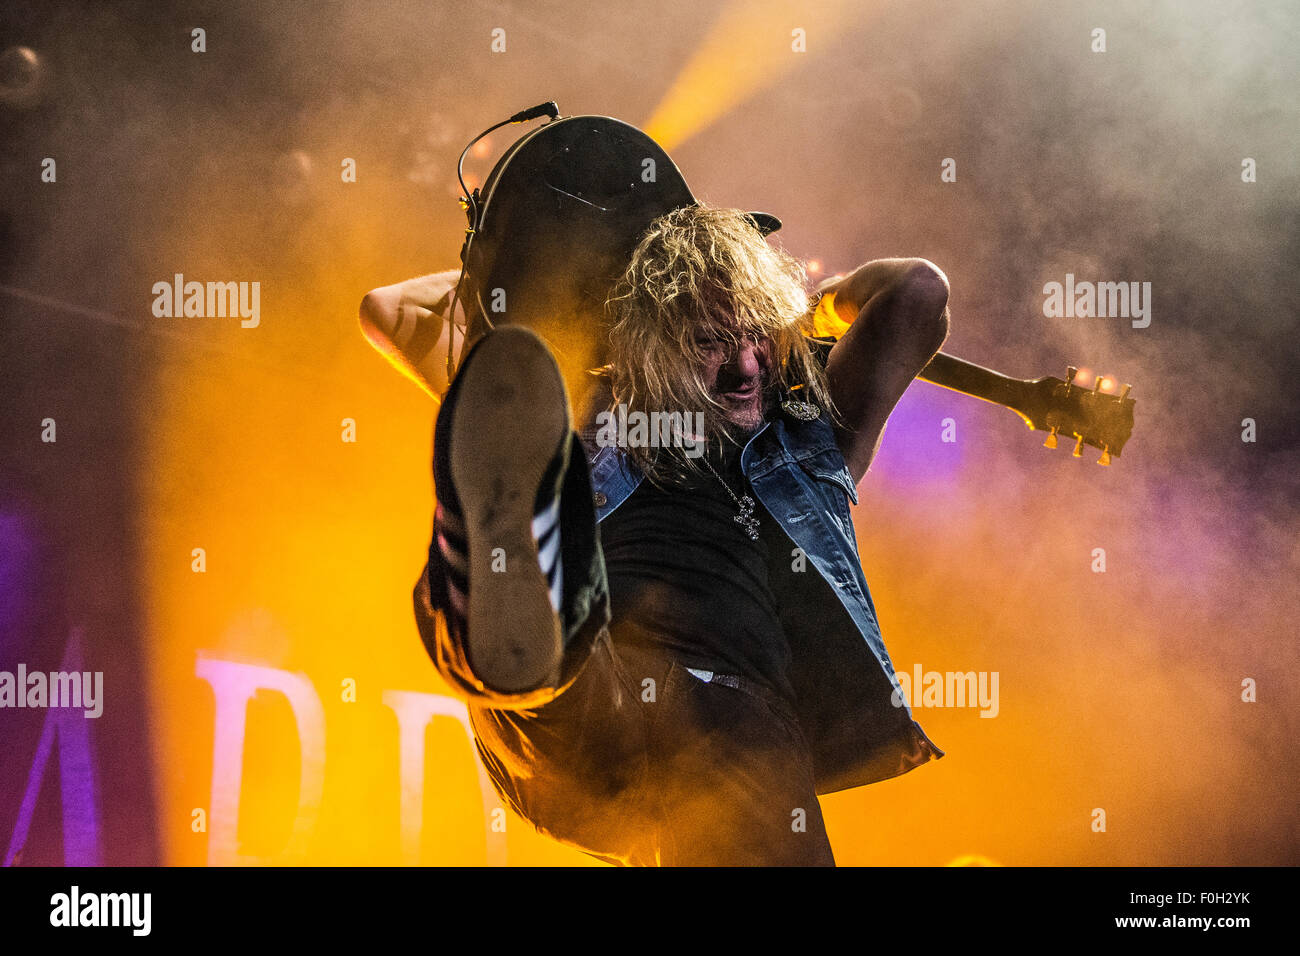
[(899, 314), (405, 323)]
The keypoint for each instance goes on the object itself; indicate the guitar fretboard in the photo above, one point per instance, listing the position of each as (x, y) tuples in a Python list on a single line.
[(974, 380)]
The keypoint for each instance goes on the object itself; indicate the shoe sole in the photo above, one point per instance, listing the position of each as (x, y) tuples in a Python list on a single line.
[(510, 417)]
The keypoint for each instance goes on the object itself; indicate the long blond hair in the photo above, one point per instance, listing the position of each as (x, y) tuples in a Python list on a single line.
[(704, 267)]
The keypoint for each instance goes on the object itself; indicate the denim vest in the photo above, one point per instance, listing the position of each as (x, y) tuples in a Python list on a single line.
[(843, 678)]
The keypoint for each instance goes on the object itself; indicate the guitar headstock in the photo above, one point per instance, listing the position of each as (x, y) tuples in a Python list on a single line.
[(1097, 412)]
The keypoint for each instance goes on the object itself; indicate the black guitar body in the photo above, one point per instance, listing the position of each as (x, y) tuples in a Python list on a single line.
[(560, 215)]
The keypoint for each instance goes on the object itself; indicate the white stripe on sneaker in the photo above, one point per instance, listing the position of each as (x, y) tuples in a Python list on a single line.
[(452, 522), (457, 601), (557, 584), (454, 558), (547, 523), (547, 553), (546, 519)]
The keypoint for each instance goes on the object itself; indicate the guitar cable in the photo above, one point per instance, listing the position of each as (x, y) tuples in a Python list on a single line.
[(469, 201)]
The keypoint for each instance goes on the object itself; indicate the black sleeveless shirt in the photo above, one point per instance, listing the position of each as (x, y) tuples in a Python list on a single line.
[(686, 578)]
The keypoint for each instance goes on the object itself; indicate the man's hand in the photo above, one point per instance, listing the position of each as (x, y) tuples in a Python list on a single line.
[(406, 323), (898, 310)]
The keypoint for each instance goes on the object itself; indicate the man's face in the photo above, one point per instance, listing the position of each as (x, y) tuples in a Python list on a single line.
[(737, 376)]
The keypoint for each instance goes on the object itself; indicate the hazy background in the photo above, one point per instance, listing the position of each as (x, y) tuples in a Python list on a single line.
[(1119, 691)]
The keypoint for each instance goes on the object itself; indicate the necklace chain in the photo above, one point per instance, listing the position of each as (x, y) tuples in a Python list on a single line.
[(745, 503)]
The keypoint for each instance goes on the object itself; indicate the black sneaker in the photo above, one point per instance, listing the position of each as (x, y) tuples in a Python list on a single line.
[(501, 450)]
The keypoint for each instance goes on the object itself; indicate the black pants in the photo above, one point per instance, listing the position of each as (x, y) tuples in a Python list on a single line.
[(640, 761)]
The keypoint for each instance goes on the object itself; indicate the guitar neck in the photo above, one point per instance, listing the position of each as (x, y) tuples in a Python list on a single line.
[(975, 380), (1098, 416)]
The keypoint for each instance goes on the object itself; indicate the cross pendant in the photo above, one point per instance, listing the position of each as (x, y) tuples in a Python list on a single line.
[(746, 517)]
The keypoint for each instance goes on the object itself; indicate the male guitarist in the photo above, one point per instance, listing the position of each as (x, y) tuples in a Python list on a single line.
[(667, 656)]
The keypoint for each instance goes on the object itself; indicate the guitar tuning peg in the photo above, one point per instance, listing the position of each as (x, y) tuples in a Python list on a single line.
[(1078, 448), (1050, 442), (1096, 386), (1070, 372), (1125, 390), (1105, 456)]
